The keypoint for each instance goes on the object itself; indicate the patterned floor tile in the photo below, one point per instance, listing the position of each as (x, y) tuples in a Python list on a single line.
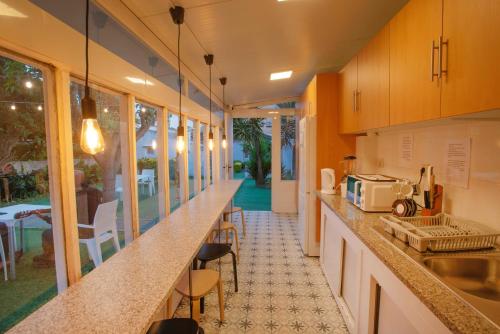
[(280, 290)]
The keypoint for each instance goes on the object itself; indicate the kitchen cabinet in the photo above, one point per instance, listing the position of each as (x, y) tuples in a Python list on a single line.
[(471, 56), (364, 87), (414, 85), (348, 90), (371, 298), (320, 103), (373, 83)]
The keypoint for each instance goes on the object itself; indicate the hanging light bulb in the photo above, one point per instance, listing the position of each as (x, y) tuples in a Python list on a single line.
[(224, 141), (154, 145), (28, 84), (177, 14), (91, 140), (12, 107), (40, 108), (105, 110), (143, 110), (223, 82), (211, 140), (209, 60)]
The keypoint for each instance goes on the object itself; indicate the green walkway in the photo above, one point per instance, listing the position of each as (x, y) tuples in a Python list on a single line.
[(250, 197)]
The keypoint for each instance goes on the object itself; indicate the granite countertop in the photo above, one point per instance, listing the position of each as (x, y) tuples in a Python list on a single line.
[(125, 292), (456, 314)]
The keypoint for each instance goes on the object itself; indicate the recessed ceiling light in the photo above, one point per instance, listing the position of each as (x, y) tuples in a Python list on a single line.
[(281, 75), (139, 81)]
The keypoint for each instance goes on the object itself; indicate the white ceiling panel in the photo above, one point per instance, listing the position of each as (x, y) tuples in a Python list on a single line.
[(252, 38)]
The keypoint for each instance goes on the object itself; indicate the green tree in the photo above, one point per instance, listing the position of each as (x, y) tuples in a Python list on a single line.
[(249, 132), (22, 131)]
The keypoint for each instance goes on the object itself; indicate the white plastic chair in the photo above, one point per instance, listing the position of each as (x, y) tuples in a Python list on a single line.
[(104, 227), (149, 180), (4, 262)]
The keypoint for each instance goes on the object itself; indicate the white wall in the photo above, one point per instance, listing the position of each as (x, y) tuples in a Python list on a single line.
[(377, 153)]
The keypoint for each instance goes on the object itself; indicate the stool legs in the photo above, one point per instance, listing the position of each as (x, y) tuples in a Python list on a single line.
[(220, 291), (196, 310)]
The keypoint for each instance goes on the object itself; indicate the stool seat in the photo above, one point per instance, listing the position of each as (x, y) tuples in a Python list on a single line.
[(202, 281), (210, 252), (175, 326)]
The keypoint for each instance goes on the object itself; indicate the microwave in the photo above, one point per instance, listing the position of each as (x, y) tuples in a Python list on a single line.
[(371, 192)]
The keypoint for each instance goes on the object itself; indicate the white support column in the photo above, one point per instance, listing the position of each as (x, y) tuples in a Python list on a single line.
[(207, 157), (129, 168), (62, 183), (216, 155), (197, 157), (163, 170), (229, 150), (184, 172)]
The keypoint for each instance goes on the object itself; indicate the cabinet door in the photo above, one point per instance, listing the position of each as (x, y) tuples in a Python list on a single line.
[(351, 261), (413, 95), (331, 250), (348, 85), (471, 57), (373, 82)]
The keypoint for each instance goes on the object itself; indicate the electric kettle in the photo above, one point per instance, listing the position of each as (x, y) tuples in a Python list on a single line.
[(328, 181)]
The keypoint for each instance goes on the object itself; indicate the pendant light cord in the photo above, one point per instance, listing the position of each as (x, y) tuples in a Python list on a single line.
[(87, 47), (210, 89), (179, 70), (224, 107)]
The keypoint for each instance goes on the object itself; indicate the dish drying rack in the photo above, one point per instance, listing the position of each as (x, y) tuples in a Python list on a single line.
[(440, 233)]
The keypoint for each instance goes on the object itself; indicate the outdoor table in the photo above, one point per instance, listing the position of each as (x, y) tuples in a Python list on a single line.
[(7, 217)]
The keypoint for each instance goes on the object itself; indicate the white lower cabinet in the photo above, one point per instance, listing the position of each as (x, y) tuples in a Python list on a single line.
[(370, 297)]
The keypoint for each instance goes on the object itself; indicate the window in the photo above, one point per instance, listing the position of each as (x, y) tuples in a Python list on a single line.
[(191, 157), (203, 155), (147, 165), (24, 188), (99, 179), (174, 162), (288, 147)]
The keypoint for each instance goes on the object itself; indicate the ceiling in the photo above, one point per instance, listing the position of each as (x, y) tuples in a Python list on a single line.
[(252, 38)]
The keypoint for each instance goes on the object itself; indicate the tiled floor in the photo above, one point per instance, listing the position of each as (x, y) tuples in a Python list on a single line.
[(280, 290)]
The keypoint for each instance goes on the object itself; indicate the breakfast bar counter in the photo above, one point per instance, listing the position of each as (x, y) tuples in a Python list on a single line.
[(124, 294)]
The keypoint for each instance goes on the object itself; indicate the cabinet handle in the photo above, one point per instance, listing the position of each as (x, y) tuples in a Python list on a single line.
[(358, 93), (433, 49), (354, 101), (440, 54)]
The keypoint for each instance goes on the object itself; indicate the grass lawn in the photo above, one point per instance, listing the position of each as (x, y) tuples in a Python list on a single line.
[(250, 197)]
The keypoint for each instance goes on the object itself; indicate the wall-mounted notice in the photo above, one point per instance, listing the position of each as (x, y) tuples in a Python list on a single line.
[(458, 162), (405, 150)]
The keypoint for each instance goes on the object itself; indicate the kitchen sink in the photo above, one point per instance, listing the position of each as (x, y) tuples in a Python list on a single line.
[(475, 275)]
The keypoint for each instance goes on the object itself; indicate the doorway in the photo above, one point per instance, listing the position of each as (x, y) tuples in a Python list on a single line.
[(265, 157)]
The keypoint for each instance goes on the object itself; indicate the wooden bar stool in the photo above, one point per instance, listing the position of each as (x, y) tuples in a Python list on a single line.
[(228, 227), (236, 209), (175, 326), (203, 281)]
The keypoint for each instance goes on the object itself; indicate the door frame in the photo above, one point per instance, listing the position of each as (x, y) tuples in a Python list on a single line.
[(283, 192)]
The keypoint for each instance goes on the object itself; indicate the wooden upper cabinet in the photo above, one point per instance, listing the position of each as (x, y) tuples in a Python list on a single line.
[(373, 82), (348, 85), (472, 56), (413, 95)]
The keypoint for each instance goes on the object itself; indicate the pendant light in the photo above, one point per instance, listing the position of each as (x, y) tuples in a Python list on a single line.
[(223, 82), (91, 140), (177, 14), (209, 60)]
